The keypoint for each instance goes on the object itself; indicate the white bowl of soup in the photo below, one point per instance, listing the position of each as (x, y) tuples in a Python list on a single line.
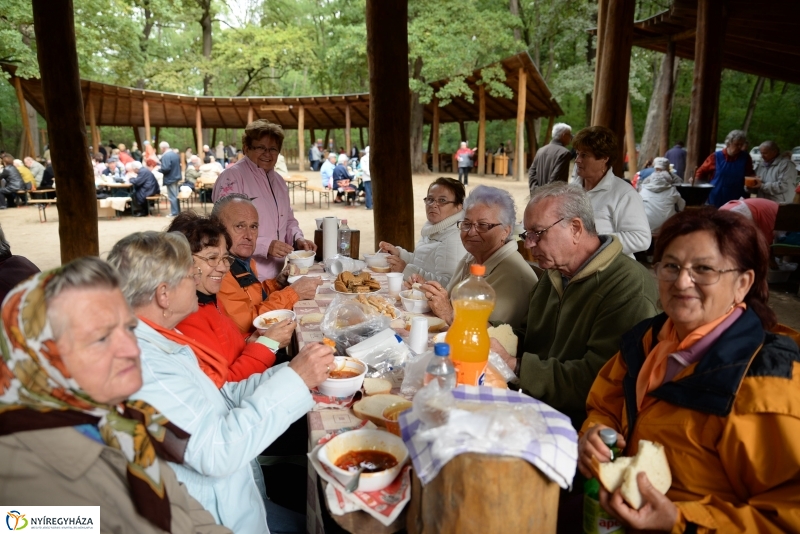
[(302, 258), (381, 453), (265, 320), (414, 301), (345, 377)]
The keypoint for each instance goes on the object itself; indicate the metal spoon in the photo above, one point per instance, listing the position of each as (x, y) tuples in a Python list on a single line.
[(353, 484)]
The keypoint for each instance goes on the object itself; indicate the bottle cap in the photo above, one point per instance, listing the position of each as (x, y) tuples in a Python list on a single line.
[(609, 436), (441, 349), (344, 221), (477, 270)]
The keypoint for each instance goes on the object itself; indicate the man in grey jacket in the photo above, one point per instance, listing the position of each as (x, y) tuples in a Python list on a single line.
[(551, 163), (37, 169), (171, 169), (777, 175), (10, 182)]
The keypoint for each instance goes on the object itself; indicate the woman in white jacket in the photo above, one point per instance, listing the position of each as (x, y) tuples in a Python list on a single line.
[(440, 249)]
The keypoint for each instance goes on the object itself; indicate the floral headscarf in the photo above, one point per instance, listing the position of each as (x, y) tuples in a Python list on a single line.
[(37, 392)]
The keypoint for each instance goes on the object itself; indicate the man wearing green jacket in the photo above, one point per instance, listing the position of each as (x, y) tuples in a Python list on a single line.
[(590, 294)]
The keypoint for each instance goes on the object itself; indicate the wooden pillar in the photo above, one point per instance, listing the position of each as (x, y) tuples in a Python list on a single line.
[(519, 152), (312, 136), (347, 144), (146, 113), (361, 137), (711, 21), (668, 83), (481, 129), (27, 147), (157, 139), (213, 139), (138, 138), (630, 140), (93, 126), (61, 88), (435, 135), (198, 128), (611, 75), (390, 122), (602, 8), (549, 135), (301, 138), (250, 114)]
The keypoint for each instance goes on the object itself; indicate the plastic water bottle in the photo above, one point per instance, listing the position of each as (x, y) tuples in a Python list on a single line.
[(441, 367), (344, 239)]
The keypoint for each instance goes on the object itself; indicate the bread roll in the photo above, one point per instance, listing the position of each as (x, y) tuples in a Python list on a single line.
[(622, 472), (377, 386), (505, 335)]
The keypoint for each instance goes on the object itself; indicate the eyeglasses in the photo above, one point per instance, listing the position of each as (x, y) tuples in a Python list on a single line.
[(213, 262), (702, 275), (260, 149), (430, 201), (534, 236), (195, 276), (481, 228)]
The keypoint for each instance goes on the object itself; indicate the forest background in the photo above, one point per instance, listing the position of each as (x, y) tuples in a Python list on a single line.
[(313, 47)]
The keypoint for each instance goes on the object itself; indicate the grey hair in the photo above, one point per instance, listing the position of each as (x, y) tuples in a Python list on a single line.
[(560, 128), (194, 160), (147, 259), (573, 203), (163, 144), (89, 272), (332, 155), (770, 145), (498, 199), (219, 205), (342, 159), (735, 136), (5, 247)]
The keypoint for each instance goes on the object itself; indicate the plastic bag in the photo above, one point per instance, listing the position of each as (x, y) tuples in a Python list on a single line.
[(349, 322), (388, 363), (415, 372), (502, 368)]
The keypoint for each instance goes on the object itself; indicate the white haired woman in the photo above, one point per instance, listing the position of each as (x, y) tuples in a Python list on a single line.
[(341, 179), (231, 425), (69, 433), (487, 234)]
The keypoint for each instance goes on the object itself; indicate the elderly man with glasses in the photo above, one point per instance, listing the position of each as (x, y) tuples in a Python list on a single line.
[(589, 295)]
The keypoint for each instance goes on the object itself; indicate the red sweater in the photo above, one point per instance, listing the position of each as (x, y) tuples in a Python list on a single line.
[(212, 328)]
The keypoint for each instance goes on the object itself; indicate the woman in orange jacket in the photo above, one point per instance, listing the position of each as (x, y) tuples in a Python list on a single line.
[(711, 381)]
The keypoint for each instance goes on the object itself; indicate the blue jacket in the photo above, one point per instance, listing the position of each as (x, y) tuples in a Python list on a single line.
[(229, 426), (171, 167), (144, 185)]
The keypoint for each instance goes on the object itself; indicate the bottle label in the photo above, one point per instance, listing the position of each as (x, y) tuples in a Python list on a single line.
[(598, 521), (470, 373)]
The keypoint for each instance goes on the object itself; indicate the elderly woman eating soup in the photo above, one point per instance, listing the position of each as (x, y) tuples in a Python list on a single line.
[(439, 250), (710, 381), (230, 425), (486, 233), (69, 433)]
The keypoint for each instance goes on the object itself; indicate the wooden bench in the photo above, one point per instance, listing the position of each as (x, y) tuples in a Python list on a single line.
[(42, 206), (156, 202), (311, 188)]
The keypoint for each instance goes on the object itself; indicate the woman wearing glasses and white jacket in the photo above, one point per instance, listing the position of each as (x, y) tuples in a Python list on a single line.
[(439, 250), (486, 233)]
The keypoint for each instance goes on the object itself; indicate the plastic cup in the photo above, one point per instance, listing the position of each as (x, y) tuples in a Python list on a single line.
[(418, 337), (391, 416), (395, 283), (750, 181)]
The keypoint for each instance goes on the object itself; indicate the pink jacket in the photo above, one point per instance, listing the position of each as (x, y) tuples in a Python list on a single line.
[(275, 216)]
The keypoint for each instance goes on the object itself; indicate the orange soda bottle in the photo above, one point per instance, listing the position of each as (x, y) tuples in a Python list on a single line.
[(473, 301)]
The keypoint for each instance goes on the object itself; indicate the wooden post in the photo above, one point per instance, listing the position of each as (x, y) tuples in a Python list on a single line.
[(711, 21), (146, 113), (157, 138), (435, 134), (361, 137), (213, 139), (27, 147), (347, 144), (666, 104), (138, 138), (250, 115), (519, 152), (390, 122), (630, 140), (301, 138), (602, 8), (481, 129), (198, 128), (93, 126), (549, 135), (61, 88)]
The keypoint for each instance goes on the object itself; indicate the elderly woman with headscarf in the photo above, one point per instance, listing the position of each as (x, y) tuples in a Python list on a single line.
[(254, 175), (69, 434), (712, 381), (726, 169), (229, 426), (661, 198), (439, 249), (487, 234), (618, 209)]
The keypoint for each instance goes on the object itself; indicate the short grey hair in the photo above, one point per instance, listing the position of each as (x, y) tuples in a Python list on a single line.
[(147, 259), (194, 160), (332, 155), (163, 144), (499, 200), (735, 136), (342, 159), (219, 205), (573, 202), (770, 145), (560, 128)]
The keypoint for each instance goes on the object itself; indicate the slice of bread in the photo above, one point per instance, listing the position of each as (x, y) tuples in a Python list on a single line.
[(372, 407), (377, 386), (622, 472), (505, 335)]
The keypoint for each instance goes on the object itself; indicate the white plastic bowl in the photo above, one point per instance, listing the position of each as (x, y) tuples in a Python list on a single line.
[(302, 258), (344, 387), (281, 315), (362, 440), (414, 305), (377, 260)]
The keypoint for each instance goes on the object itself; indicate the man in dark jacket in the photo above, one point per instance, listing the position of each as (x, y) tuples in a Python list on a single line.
[(171, 169), (677, 156), (144, 185), (10, 182), (551, 163)]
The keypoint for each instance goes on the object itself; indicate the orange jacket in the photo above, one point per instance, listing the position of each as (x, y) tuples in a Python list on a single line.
[(730, 425), (244, 304)]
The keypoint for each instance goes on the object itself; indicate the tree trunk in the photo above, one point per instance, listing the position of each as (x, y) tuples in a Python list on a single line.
[(651, 136), (418, 165), (205, 23), (463, 129), (513, 6), (751, 108), (590, 54)]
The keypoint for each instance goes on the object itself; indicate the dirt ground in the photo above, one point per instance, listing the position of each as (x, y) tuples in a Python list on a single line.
[(40, 242)]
